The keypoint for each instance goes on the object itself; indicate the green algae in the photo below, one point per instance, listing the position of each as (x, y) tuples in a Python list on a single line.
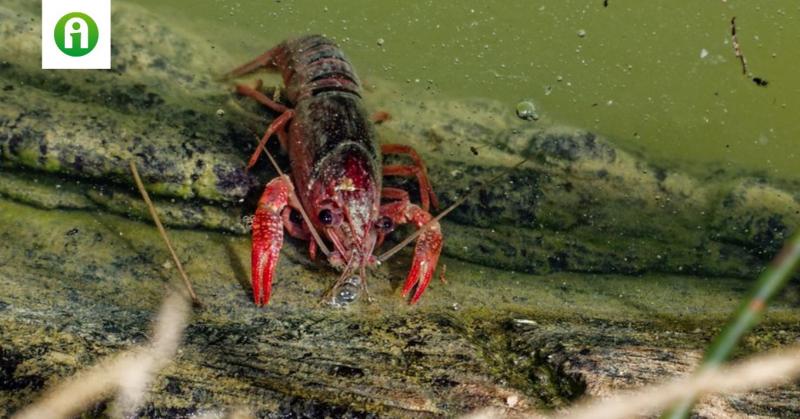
[(160, 99), (184, 215), (43, 191), (95, 279)]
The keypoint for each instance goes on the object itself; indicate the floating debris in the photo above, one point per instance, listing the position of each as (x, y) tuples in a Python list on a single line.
[(380, 42), (527, 110), (736, 48), (581, 33)]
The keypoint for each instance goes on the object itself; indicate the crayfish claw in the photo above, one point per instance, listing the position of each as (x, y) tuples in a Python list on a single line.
[(268, 237), (426, 255)]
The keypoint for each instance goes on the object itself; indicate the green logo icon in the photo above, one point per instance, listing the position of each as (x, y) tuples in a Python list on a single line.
[(76, 34)]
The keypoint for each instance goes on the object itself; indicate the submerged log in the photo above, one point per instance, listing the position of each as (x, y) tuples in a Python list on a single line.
[(580, 204)]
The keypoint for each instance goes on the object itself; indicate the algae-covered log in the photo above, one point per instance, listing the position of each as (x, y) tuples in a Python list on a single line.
[(158, 105), (580, 204), (77, 286)]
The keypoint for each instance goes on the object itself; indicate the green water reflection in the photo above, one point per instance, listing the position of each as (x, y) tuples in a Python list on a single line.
[(657, 76)]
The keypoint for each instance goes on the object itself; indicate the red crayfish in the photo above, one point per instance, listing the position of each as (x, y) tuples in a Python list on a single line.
[(336, 172)]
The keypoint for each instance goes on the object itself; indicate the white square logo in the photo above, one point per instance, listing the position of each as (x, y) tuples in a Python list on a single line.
[(76, 34)]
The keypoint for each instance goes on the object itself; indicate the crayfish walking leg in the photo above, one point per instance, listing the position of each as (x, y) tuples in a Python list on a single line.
[(426, 194)]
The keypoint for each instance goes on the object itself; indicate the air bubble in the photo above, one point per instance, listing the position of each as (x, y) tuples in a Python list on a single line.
[(348, 292)]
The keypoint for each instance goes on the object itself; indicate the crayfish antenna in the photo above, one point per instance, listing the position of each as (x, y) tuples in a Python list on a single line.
[(403, 243)]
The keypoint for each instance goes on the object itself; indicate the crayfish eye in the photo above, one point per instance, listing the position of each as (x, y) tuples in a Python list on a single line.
[(385, 223), (295, 217), (325, 217)]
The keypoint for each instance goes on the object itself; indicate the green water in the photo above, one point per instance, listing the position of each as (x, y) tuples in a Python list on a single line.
[(632, 71)]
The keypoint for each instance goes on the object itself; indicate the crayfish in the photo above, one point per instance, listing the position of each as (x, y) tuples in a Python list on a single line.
[(336, 173)]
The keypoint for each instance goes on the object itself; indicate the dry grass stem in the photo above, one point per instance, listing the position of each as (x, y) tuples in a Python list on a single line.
[(776, 368), (163, 232), (129, 371), (167, 335), (757, 372)]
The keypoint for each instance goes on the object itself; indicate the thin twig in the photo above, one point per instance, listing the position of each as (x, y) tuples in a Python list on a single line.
[(163, 232), (736, 48)]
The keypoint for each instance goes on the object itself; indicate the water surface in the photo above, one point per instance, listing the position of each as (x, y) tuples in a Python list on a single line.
[(657, 76)]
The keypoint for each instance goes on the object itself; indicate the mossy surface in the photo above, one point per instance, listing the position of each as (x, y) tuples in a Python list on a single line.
[(75, 286)]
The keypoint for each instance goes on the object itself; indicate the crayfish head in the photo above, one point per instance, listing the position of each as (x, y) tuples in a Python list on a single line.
[(345, 207)]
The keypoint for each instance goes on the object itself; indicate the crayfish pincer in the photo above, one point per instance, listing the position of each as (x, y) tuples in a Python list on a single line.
[(336, 172)]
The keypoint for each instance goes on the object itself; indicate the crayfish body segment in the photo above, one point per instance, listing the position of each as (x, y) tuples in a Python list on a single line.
[(336, 172)]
